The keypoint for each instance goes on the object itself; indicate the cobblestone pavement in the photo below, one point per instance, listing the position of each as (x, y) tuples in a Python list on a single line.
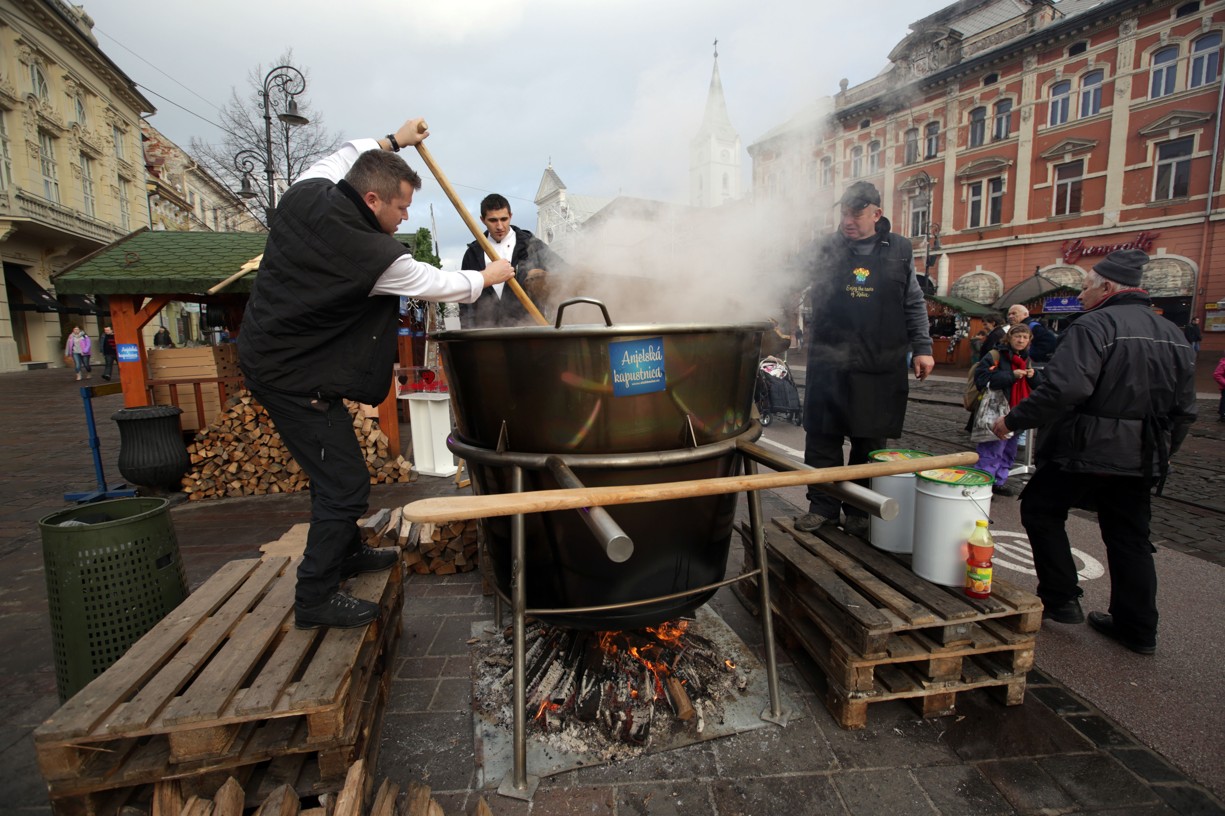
[(1188, 517)]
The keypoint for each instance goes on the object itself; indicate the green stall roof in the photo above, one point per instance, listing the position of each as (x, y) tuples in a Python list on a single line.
[(970, 308)]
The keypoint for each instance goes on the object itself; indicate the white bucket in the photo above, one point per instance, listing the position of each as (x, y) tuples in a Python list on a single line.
[(895, 536), (947, 503)]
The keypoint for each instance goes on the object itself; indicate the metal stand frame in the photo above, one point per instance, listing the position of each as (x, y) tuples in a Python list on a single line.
[(518, 783), (103, 491)]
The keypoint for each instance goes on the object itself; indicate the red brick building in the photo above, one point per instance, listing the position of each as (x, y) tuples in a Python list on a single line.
[(1011, 138)]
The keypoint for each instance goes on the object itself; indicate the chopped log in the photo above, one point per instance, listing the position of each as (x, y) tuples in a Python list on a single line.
[(167, 798), (229, 799), (385, 799), (283, 801), (418, 800), (353, 794), (482, 808), (681, 706)]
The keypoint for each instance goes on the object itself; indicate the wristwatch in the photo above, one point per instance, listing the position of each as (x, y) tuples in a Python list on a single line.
[(395, 146)]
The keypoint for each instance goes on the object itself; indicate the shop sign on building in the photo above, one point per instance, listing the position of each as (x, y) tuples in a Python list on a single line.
[(1053, 305), (1073, 251)]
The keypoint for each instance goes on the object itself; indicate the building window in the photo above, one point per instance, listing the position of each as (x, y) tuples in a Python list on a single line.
[(912, 146), (1173, 179), (1165, 69), (6, 154), (125, 214), (931, 140), (856, 161), (46, 159), (873, 157), (986, 202), (1077, 48), (117, 135), (80, 103), (1002, 125), (1091, 94), (978, 127), (1069, 181), (919, 214), (990, 79), (827, 171), (39, 82), (1061, 92), (1205, 60), (1187, 9), (87, 185)]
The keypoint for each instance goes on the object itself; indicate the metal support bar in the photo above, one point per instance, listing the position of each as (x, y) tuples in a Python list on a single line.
[(881, 506), (775, 712), (517, 784), (608, 534)]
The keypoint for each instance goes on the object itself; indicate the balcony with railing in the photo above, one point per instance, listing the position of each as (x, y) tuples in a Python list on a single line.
[(20, 203)]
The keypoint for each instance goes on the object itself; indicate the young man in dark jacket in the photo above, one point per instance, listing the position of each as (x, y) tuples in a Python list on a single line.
[(533, 262), (1116, 402), (320, 328)]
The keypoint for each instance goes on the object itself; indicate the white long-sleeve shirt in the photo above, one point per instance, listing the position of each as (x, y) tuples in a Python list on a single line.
[(406, 276)]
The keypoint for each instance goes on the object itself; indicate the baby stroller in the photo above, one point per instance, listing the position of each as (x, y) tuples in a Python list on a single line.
[(775, 392)]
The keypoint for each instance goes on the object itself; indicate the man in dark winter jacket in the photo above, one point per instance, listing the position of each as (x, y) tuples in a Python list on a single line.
[(320, 328), (1117, 401), (533, 262), (867, 313)]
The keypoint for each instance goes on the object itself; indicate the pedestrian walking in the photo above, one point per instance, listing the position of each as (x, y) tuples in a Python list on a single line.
[(77, 351), (109, 353)]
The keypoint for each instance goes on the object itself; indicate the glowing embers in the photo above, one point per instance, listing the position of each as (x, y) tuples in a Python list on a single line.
[(594, 696)]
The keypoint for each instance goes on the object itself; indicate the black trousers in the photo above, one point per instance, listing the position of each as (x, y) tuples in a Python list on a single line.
[(319, 434), (825, 450), (1123, 515)]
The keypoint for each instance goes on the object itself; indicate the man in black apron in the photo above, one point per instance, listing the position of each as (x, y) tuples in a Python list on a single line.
[(868, 313)]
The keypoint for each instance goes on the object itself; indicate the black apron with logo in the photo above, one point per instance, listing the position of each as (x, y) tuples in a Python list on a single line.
[(856, 383)]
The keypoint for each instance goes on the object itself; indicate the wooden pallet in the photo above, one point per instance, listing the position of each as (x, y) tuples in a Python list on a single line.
[(223, 684), (878, 632)]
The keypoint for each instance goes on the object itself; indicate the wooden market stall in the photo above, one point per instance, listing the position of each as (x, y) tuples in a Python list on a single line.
[(141, 273), (954, 322)]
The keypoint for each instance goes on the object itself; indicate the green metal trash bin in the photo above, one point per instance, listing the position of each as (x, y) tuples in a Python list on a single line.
[(113, 571)]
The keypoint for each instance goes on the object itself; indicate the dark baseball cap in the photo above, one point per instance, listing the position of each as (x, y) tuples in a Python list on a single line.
[(860, 195)]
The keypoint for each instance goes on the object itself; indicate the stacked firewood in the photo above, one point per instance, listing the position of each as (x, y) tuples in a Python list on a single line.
[(241, 454), (429, 549), (357, 798)]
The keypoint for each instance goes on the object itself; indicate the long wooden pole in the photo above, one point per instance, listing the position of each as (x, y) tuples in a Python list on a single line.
[(459, 508), (475, 228)]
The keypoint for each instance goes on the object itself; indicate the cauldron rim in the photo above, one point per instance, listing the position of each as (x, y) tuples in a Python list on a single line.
[(595, 330)]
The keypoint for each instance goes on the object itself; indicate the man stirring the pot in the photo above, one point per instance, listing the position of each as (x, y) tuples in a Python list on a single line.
[(867, 313), (320, 328), (526, 253)]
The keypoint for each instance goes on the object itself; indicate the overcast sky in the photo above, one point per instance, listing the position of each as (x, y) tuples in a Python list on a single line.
[(610, 90)]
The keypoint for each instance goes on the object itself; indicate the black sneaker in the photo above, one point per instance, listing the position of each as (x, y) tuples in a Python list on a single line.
[(1104, 623), (340, 611), (1069, 612), (856, 526), (1003, 490), (810, 521), (368, 559)]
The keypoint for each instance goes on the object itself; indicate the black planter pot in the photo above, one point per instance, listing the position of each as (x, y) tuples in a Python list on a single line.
[(151, 448)]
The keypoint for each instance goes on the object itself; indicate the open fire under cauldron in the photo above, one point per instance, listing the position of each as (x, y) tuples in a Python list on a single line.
[(538, 408)]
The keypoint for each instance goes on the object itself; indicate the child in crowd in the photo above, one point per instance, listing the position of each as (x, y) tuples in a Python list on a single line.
[(1013, 374), (1219, 376)]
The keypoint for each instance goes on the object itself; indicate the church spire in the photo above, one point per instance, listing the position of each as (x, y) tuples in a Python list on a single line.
[(714, 152)]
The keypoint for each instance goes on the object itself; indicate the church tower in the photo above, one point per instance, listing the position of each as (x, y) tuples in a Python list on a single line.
[(714, 153)]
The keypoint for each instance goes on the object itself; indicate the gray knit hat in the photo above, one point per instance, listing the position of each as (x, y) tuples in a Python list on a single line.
[(1123, 266)]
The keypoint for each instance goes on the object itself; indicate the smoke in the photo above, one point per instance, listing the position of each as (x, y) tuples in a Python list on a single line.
[(650, 262)]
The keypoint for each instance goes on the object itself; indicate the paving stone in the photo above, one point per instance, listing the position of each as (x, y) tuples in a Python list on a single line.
[(960, 790), (1097, 781), (1059, 700), (452, 694), (895, 738), (416, 666), (799, 795), (1148, 765), (878, 792), (774, 750), (571, 801), (1190, 801), (408, 696), (691, 761), (1025, 785), (690, 798), (433, 748), (984, 729), (1100, 731)]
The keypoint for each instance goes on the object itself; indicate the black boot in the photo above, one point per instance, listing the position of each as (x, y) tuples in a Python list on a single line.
[(368, 559), (339, 611)]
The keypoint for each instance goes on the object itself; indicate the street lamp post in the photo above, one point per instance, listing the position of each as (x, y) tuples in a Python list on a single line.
[(290, 82), (922, 183)]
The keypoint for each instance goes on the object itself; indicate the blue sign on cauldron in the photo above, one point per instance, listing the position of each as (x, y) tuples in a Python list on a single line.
[(127, 352), (637, 366)]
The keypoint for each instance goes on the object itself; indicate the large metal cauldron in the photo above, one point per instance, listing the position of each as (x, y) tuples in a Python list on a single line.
[(612, 405)]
